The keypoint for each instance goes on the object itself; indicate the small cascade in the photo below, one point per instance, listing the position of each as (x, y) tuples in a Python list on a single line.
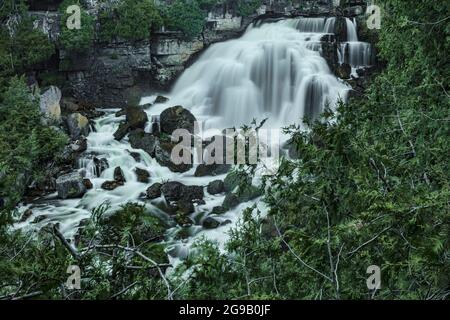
[(354, 52)]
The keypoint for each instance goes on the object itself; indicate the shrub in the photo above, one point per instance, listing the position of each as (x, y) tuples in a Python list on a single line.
[(185, 16), (76, 40), (130, 20)]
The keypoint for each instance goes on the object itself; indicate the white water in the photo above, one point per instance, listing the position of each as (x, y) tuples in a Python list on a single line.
[(354, 52), (274, 70)]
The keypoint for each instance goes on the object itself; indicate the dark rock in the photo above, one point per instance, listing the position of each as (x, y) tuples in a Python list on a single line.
[(121, 131), (69, 105), (142, 175), (183, 220), (100, 165), (172, 191), (210, 223), (211, 169), (120, 113), (344, 71), (218, 210), (118, 175), (39, 218), (268, 229), (233, 180), (231, 200), (88, 184), (144, 141), (175, 191), (163, 154), (136, 155), (111, 185), (215, 187), (176, 118), (70, 186), (136, 117), (26, 215), (2, 203), (183, 207), (161, 99), (79, 145), (154, 191), (78, 125)]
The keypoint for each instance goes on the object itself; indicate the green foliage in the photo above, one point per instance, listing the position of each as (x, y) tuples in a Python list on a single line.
[(76, 40), (130, 20), (247, 8), (371, 188), (25, 144), (185, 16)]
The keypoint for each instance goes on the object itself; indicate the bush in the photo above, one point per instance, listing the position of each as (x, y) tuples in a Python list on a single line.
[(247, 8), (185, 16), (76, 40), (25, 144), (130, 20)]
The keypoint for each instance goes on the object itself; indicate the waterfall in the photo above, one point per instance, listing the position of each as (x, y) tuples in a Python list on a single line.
[(354, 52), (274, 70)]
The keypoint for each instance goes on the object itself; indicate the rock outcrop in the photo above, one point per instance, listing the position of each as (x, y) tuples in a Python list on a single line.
[(70, 185)]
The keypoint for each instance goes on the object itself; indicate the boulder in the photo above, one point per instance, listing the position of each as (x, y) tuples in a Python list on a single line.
[(142, 175), (118, 175), (210, 223), (218, 210), (111, 185), (176, 118), (88, 184), (78, 125), (231, 200), (100, 166), (70, 185), (79, 145), (144, 141), (344, 71), (49, 105), (211, 169), (183, 220), (233, 180), (154, 191), (163, 154), (69, 105), (136, 117), (176, 191), (161, 99), (215, 187), (26, 215)]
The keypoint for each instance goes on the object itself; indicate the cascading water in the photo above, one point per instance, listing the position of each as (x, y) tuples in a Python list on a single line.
[(354, 52), (274, 70)]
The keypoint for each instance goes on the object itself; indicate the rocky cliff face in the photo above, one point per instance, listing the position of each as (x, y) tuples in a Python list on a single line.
[(117, 74)]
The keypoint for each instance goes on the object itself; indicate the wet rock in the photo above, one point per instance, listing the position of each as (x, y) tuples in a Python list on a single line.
[(79, 145), (118, 175), (215, 187), (142, 175), (49, 105), (176, 118), (163, 154), (88, 184), (233, 180), (70, 186), (183, 220), (210, 223), (344, 71), (231, 200), (218, 210), (78, 125), (161, 99), (136, 155), (211, 169), (100, 166), (69, 105), (121, 131), (26, 215), (136, 117), (39, 219), (144, 141), (154, 191), (175, 191), (111, 185), (183, 207), (120, 113)]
